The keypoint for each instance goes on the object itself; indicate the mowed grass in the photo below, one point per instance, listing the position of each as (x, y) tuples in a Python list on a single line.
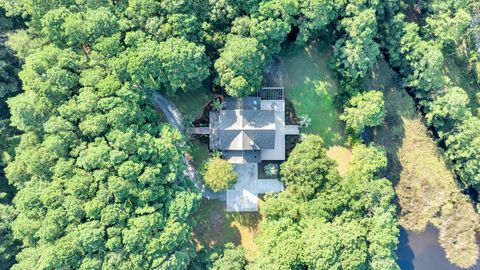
[(191, 103), (198, 152), (311, 87), (215, 227), (342, 156)]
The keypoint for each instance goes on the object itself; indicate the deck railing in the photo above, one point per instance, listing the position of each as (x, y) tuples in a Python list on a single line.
[(271, 93)]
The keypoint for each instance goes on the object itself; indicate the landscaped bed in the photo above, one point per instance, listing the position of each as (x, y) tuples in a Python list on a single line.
[(269, 169)]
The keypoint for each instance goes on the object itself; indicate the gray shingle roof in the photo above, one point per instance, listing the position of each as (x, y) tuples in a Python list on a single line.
[(242, 129)]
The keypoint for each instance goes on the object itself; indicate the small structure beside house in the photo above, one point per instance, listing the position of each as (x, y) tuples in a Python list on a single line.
[(248, 131)]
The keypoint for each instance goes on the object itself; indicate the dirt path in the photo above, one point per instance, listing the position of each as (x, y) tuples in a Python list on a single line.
[(174, 118)]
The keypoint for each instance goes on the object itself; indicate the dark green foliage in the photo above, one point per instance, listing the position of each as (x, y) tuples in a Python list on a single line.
[(9, 85), (233, 258), (240, 66), (308, 168), (347, 223), (229, 257)]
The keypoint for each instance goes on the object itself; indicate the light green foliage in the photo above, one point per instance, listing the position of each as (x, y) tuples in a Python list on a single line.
[(463, 149), (425, 62), (218, 174), (364, 110), (357, 51), (173, 64), (448, 20), (448, 110), (240, 66), (347, 223)]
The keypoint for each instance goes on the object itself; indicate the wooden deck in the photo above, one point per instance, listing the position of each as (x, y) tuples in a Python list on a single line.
[(292, 130), (198, 131)]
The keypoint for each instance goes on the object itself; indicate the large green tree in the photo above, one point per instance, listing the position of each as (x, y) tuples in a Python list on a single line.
[(348, 223), (448, 110), (218, 174), (364, 110), (463, 149), (240, 66), (308, 168)]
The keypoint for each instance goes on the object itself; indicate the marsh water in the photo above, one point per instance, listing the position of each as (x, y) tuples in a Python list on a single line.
[(421, 251)]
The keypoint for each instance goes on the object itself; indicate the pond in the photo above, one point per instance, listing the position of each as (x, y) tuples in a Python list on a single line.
[(421, 251)]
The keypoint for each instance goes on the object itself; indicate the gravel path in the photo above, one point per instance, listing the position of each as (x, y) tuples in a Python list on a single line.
[(174, 117)]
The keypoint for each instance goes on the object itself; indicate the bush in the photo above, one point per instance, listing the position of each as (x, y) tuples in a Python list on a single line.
[(218, 174)]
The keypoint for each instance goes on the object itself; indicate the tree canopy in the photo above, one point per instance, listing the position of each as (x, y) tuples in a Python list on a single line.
[(218, 174), (364, 110), (348, 222)]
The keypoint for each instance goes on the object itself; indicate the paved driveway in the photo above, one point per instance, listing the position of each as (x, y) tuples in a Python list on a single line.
[(243, 197)]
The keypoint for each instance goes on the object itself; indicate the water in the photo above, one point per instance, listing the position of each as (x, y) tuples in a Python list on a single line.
[(423, 252)]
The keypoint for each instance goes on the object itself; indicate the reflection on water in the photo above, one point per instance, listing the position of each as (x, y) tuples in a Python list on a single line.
[(423, 252)]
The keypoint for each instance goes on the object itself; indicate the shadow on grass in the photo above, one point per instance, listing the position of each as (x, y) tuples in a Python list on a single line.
[(311, 87), (214, 227), (398, 104)]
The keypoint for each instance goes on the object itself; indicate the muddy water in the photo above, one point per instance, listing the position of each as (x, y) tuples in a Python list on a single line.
[(423, 252)]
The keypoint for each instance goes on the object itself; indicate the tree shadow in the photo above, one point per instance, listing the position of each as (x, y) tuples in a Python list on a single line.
[(398, 105), (212, 226)]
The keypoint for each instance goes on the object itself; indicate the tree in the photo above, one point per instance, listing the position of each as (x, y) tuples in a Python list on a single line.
[(308, 168), (240, 66), (357, 51), (425, 60), (348, 223), (364, 110), (173, 64), (233, 258), (463, 150), (218, 174), (448, 110)]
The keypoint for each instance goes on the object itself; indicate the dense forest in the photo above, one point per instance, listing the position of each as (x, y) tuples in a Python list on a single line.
[(93, 180)]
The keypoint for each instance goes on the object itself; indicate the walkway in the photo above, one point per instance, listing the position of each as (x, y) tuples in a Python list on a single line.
[(174, 117)]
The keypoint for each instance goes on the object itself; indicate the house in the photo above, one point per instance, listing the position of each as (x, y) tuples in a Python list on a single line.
[(248, 131)]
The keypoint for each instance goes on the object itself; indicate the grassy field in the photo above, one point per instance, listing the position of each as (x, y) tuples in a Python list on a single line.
[(311, 87), (425, 187), (215, 227), (198, 152), (191, 103)]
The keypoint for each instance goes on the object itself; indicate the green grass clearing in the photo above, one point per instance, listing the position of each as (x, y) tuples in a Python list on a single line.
[(191, 103), (215, 227), (198, 152), (311, 87)]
